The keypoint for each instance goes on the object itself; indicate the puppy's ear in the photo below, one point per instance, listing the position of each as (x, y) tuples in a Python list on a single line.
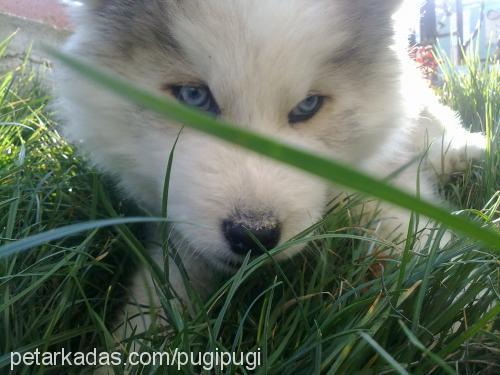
[(85, 12), (92, 4), (389, 6), (88, 5), (369, 7)]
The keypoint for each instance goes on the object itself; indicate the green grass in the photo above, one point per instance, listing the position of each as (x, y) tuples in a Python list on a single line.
[(332, 310), (475, 95)]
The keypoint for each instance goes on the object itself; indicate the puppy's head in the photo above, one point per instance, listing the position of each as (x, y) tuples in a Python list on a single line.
[(316, 74)]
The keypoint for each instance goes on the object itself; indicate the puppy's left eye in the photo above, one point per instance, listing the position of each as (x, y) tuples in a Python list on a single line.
[(199, 97), (306, 109)]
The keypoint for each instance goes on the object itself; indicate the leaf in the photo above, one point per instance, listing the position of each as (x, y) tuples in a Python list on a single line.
[(320, 166)]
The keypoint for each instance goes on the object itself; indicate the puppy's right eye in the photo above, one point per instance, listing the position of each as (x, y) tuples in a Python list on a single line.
[(198, 97)]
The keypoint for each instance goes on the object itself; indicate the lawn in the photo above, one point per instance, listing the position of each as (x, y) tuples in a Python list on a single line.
[(333, 309)]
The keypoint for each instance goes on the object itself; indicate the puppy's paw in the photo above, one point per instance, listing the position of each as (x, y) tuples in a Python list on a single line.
[(456, 154), (394, 227)]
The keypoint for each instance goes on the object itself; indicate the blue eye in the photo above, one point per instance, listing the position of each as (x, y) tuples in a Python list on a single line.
[(198, 97), (306, 109)]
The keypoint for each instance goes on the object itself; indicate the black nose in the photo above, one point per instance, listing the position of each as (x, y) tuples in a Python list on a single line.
[(239, 234)]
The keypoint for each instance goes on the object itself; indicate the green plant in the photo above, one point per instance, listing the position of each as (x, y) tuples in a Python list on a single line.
[(473, 91), (335, 309)]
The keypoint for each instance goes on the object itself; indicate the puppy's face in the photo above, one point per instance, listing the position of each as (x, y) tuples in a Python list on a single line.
[(316, 74)]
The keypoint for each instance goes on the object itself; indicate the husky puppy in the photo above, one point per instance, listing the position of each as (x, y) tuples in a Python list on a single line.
[(322, 75)]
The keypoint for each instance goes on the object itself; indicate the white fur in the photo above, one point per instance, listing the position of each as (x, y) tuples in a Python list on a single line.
[(259, 61)]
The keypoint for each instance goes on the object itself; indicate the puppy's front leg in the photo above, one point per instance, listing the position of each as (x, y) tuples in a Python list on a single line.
[(391, 222), (144, 310)]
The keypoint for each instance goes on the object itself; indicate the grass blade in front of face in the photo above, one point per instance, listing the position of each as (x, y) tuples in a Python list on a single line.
[(314, 164)]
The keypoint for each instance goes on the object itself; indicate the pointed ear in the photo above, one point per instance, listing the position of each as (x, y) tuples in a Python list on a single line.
[(83, 12), (90, 4), (388, 5), (82, 6), (371, 24), (369, 7)]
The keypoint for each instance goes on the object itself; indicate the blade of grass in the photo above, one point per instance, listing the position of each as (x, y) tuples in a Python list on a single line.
[(314, 164), (416, 342), (425, 280), (390, 360), (67, 231), (475, 328)]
